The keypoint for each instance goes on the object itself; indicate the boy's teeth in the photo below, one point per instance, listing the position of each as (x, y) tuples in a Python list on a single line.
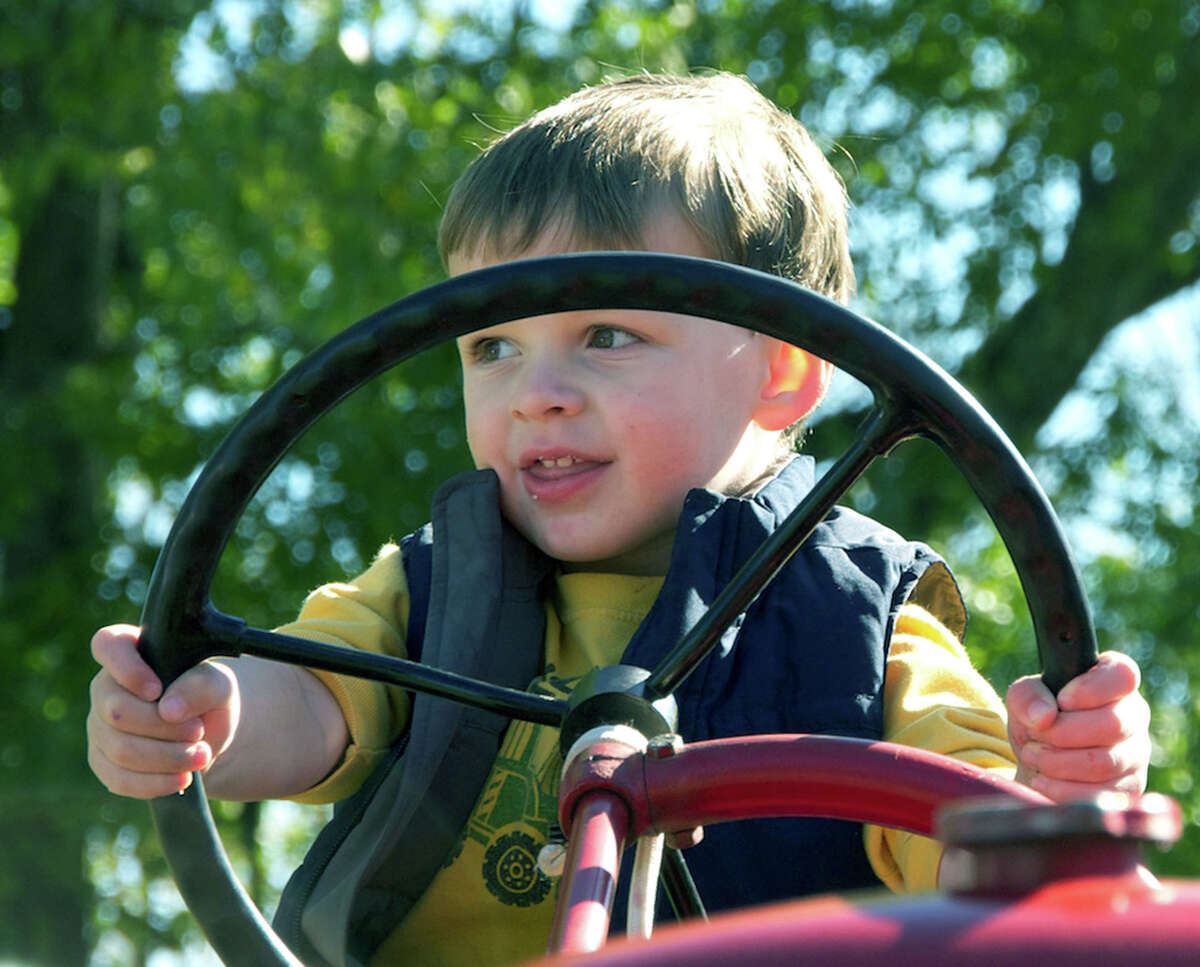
[(557, 462)]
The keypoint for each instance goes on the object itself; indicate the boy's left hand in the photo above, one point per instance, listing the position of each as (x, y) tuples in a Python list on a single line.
[(1095, 738)]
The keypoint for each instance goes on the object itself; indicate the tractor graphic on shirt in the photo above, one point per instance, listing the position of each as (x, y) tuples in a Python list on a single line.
[(517, 811)]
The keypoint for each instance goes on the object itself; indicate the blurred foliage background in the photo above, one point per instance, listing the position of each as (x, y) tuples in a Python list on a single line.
[(193, 195)]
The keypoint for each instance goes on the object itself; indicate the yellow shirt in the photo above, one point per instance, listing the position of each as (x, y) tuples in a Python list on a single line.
[(490, 904)]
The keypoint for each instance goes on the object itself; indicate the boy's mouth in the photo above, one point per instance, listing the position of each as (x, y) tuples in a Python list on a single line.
[(555, 468), (558, 476)]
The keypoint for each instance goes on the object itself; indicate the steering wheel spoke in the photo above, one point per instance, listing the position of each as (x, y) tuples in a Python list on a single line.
[(400, 671)]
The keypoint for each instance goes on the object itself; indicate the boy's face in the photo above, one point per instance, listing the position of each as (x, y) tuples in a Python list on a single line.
[(597, 423)]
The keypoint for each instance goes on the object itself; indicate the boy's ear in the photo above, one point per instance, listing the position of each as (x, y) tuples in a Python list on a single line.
[(795, 386)]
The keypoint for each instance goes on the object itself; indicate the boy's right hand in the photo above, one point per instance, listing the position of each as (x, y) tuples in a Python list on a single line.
[(145, 743)]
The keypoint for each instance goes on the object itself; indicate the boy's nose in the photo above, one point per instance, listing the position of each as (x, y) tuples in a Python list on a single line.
[(546, 391)]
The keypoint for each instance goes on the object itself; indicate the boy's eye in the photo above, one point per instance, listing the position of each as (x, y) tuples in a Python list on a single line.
[(491, 349), (610, 337)]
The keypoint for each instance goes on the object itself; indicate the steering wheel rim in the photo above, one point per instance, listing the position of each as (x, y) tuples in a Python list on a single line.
[(913, 396)]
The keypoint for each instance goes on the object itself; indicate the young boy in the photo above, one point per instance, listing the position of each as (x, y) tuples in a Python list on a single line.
[(598, 427)]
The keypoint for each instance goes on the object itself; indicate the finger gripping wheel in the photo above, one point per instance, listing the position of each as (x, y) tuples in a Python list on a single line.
[(912, 397)]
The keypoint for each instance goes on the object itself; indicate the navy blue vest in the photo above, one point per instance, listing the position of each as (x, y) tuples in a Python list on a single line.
[(807, 656)]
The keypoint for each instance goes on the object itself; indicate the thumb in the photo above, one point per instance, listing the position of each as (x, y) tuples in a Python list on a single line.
[(197, 692), (209, 693), (1030, 704)]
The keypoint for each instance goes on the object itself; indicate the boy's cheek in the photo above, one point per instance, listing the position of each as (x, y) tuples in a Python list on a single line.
[(474, 437)]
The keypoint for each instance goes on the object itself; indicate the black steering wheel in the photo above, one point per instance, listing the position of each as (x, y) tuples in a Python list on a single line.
[(912, 397)]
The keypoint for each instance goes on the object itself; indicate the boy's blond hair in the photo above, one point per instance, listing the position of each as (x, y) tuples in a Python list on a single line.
[(745, 175)]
